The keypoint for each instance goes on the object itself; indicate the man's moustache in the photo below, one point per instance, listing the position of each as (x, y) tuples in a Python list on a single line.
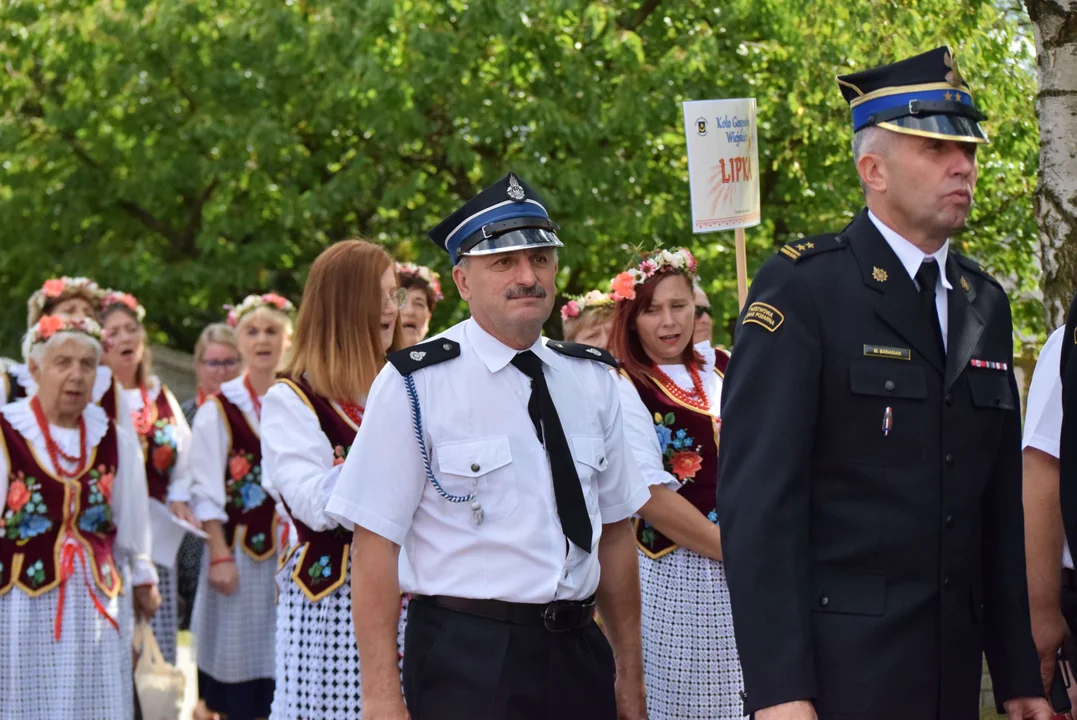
[(535, 291)]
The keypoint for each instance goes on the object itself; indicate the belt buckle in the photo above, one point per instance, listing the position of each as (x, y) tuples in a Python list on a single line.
[(550, 617)]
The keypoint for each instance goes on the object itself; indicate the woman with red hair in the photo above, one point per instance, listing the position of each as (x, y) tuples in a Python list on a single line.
[(670, 397)]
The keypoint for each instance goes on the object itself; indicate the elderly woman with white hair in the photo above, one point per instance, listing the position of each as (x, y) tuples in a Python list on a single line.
[(74, 511)]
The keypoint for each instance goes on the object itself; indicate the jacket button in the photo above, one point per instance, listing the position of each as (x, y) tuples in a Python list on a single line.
[(743, 696), (474, 467), (824, 601), (946, 582), (949, 459), (950, 521), (998, 399), (889, 385), (949, 399)]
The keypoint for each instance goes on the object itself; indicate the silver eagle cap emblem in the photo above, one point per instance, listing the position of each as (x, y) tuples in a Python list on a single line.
[(515, 191)]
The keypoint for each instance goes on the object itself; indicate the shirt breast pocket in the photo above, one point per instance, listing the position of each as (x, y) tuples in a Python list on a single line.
[(888, 400), (483, 466), (589, 453)]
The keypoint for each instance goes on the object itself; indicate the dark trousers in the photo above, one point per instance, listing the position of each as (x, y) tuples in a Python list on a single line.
[(459, 666)]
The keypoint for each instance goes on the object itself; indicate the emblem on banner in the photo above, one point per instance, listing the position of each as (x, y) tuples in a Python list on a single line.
[(701, 126)]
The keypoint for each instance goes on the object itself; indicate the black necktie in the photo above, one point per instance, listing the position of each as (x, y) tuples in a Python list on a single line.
[(571, 507), (927, 277)]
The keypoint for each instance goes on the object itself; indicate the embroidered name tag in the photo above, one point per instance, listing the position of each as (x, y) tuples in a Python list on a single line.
[(764, 315), (989, 364), (882, 351)]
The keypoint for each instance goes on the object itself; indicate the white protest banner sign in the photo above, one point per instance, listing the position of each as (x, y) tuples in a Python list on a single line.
[(723, 170)]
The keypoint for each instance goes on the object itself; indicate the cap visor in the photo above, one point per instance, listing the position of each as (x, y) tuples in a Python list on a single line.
[(940, 127), (514, 240)]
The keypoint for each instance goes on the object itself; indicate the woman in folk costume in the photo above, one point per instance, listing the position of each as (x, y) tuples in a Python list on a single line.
[(216, 361), (588, 319), (75, 509), (73, 297), (670, 395), (423, 287), (347, 322), (235, 605), (162, 430)]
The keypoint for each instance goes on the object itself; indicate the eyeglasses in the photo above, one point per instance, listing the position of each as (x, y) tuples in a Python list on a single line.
[(396, 298), (221, 364), (702, 310)]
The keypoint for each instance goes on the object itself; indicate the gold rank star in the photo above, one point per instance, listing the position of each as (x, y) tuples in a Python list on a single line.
[(810, 246), (949, 96), (801, 247)]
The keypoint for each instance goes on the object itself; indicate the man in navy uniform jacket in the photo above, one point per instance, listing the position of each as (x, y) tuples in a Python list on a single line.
[(870, 492)]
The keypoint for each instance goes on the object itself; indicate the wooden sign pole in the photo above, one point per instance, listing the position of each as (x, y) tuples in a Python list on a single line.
[(742, 268)]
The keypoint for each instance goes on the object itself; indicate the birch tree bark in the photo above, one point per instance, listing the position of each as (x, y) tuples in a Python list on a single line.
[(1055, 204)]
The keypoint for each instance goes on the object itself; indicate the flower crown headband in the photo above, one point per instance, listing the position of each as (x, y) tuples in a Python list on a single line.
[(49, 325), (594, 299), (654, 263), (253, 302), (56, 288), (425, 274), (115, 297)]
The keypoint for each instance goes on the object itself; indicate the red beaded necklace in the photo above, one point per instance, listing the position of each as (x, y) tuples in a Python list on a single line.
[(55, 453), (354, 411), (254, 396), (141, 418), (696, 399)]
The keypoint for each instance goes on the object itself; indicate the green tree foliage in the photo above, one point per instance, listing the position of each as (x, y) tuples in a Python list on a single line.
[(191, 151)]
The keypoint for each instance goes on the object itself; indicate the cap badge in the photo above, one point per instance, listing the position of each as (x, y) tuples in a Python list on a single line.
[(878, 274), (515, 191), (417, 355), (954, 76)]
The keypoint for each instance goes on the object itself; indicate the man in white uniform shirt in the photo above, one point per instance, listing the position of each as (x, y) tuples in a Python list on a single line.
[(497, 460), (1053, 604)]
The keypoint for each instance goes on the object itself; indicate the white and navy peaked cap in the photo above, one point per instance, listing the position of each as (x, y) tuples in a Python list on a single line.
[(508, 215)]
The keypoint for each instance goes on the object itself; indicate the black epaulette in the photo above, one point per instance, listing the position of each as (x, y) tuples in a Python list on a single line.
[(423, 355), (975, 267), (583, 352), (814, 245)]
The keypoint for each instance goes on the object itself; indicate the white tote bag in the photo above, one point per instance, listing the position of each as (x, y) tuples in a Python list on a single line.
[(160, 686)]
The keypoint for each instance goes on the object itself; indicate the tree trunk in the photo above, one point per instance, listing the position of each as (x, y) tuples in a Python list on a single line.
[(1055, 23)]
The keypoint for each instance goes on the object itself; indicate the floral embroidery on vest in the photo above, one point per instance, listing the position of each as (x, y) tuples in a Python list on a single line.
[(679, 453), (340, 454), (245, 482), (26, 515), (164, 454), (320, 571), (36, 573), (97, 516)]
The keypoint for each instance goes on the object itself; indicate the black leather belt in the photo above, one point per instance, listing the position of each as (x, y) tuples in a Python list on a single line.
[(558, 616)]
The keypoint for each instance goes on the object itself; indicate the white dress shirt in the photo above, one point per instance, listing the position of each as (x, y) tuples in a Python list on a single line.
[(130, 499), (912, 258), (297, 457), (477, 430), (639, 422), (210, 444), (179, 488), (1043, 408)]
